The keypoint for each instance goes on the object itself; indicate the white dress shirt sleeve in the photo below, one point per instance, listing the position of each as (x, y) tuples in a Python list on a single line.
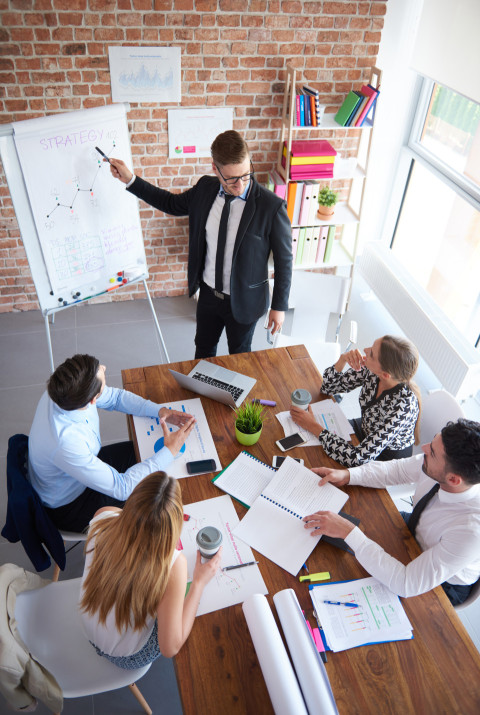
[(113, 398), (386, 474), (456, 550)]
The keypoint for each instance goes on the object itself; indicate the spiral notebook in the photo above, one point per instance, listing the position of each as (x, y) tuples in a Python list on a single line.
[(245, 478), (274, 524)]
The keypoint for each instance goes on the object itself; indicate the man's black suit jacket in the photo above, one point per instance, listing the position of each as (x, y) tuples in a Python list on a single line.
[(264, 227)]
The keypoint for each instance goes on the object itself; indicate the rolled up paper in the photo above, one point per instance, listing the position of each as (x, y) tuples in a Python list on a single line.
[(308, 665), (280, 679)]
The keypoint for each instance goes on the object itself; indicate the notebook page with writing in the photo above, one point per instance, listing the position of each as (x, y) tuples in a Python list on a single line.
[(273, 525), (245, 478)]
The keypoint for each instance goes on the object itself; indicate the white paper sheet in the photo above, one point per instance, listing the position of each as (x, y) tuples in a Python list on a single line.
[(277, 670), (227, 587), (379, 617), (307, 662), (327, 413), (145, 74), (199, 444)]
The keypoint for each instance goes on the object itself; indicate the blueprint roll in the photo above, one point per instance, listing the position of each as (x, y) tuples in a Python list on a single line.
[(308, 665), (277, 670)]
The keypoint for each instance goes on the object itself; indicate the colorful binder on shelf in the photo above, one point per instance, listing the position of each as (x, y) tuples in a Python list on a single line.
[(291, 196), (298, 203), (329, 244), (312, 214), (295, 232), (322, 240), (305, 207), (314, 94), (300, 247)]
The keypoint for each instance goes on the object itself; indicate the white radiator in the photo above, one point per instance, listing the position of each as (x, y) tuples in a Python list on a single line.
[(452, 359)]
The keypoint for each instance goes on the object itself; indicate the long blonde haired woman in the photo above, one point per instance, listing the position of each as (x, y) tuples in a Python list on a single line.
[(389, 403), (133, 590)]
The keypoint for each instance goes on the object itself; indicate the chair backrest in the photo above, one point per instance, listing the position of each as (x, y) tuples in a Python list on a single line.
[(314, 297), (438, 408), (49, 623), (473, 596)]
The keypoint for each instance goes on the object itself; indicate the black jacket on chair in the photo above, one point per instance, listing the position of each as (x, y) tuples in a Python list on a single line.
[(264, 227), (27, 520)]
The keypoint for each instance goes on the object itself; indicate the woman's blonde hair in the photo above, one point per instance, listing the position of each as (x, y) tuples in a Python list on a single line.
[(399, 357), (132, 553)]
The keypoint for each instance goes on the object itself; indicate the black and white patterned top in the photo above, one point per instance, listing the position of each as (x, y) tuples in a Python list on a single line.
[(387, 421)]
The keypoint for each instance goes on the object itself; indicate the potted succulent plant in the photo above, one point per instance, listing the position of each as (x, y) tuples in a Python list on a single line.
[(249, 422), (327, 198)]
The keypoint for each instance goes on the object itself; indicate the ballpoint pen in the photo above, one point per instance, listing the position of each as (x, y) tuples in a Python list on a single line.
[(239, 566), (342, 603)]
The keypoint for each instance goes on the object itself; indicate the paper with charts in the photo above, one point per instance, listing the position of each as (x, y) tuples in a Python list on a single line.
[(380, 616), (199, 444), (327, 413), (227, 587)]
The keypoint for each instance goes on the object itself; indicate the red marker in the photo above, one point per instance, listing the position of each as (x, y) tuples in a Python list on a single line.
[(186, 517)]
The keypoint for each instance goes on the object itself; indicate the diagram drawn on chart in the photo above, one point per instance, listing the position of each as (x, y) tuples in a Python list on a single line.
[(67, 195), (199, 443), (227, 587), (88, 227)]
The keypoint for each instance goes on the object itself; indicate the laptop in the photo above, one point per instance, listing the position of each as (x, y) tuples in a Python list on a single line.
[(216, 382)]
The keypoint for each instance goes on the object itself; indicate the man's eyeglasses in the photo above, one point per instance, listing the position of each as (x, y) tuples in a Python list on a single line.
[(233, 179)]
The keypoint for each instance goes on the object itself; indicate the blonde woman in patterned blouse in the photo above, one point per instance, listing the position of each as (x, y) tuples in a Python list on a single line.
[(389, 403)]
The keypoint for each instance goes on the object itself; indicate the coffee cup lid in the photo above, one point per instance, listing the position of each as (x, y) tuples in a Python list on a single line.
[(209, 537), (301, 396)]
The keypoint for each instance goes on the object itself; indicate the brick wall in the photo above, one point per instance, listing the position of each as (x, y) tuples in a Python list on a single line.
[(54, 58)]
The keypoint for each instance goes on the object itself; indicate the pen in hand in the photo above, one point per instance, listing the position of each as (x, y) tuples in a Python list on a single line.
[(104, 155), (239, 566)]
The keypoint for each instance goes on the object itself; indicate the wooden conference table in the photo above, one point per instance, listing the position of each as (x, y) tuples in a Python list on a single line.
[(217, 669)]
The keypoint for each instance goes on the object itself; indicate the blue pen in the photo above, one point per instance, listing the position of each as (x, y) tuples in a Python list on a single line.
[(341, 603), (305, 567)]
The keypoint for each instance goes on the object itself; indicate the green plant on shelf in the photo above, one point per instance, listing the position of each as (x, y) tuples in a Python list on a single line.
[(327, 197)]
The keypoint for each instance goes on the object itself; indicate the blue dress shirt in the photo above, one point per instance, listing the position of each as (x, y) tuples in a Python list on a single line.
[(63, 447)]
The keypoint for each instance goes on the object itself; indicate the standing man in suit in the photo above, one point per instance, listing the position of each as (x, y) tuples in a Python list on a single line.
[(234, 223)]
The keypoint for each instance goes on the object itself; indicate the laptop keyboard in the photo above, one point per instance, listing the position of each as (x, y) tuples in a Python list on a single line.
[(232, 389)]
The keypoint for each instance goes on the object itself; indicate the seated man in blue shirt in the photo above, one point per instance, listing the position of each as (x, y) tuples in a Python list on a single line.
[(68, 467)]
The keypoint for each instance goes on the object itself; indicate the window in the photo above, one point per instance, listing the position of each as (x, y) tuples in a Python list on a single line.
[(437, 236)]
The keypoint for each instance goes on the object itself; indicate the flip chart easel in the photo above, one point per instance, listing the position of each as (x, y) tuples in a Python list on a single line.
[(81, 232)]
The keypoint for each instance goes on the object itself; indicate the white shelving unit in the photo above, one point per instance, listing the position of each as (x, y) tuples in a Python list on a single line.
[(347, 214)]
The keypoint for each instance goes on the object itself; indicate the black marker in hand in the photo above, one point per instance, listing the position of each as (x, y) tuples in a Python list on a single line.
[(104, 155)]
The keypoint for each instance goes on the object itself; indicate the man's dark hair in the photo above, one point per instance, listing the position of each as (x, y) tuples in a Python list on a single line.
[(461, 441), (75, 383), (229, 148)]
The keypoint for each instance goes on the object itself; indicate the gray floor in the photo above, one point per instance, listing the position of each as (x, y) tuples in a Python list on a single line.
[(122, 335)]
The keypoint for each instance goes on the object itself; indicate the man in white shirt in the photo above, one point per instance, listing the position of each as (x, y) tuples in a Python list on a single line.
[(69, 469), (446, 524)]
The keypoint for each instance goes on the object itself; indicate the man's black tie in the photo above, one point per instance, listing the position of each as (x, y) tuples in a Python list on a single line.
[(222, 239), (420, 506)]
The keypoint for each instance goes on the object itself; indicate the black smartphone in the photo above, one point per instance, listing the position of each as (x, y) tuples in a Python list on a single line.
[(277, 461), (294, 440), (202, 465)]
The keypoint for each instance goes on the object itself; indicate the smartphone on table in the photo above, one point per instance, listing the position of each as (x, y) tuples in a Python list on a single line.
[(201, 466), (293, 440), (277, 461)]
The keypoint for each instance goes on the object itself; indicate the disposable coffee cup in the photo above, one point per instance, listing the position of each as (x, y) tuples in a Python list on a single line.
[(301, 398), (209, 540)]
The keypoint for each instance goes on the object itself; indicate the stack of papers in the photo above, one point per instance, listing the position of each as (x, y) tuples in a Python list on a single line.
[(378, 617), (328, 413)]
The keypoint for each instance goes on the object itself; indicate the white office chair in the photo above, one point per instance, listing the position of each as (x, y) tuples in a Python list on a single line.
[(474, 596), (49, 624), (438, 408)]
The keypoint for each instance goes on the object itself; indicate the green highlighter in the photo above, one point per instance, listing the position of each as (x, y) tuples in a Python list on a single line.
[(321, 576)]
